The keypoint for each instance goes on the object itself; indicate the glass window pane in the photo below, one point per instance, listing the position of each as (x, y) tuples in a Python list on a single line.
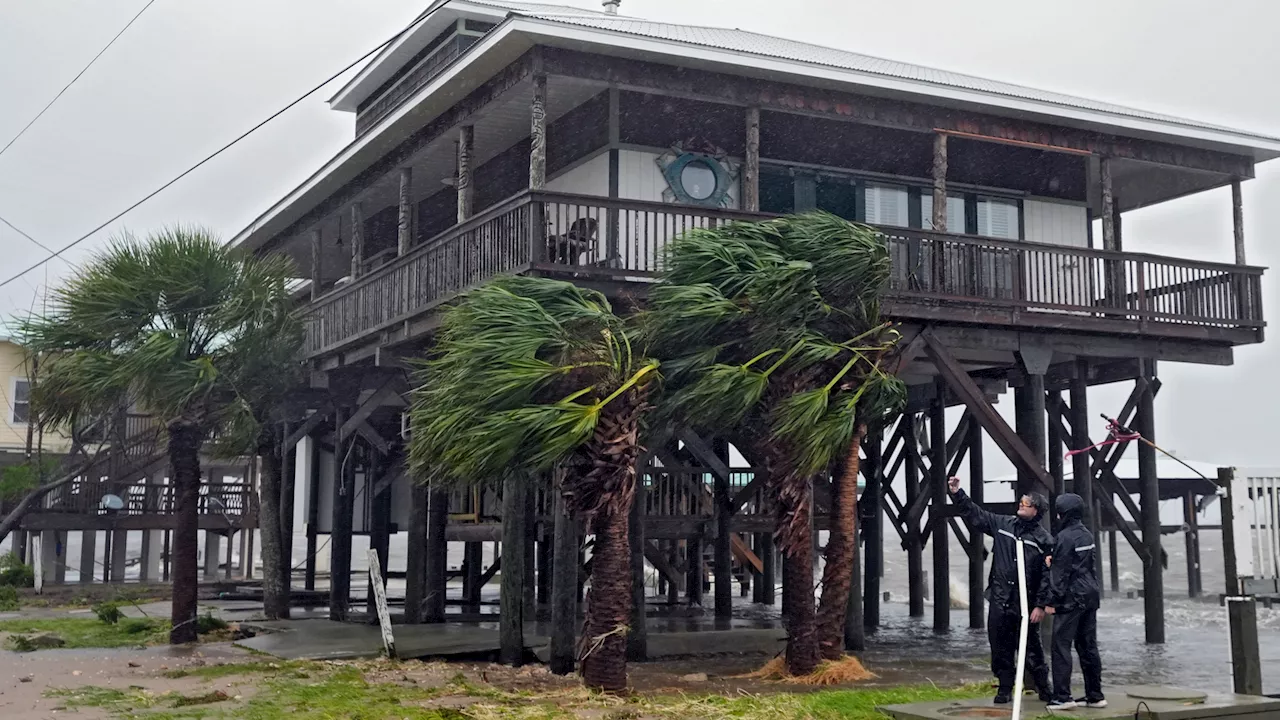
[(838, 198), (955, 212), (21, 391), (777, 193)]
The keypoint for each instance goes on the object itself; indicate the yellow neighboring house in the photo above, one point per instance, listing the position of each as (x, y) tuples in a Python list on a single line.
[(15, 389)]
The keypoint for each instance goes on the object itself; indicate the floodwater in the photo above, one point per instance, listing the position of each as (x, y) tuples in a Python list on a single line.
[(1196, 651)]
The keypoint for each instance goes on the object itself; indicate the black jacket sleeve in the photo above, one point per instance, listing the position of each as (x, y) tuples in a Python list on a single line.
[(976, 518)]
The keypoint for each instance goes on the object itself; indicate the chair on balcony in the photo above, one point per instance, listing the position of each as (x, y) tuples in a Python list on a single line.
[(568, 248)]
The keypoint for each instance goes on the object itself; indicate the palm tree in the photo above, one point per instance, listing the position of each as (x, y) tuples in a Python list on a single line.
[(533, 373), (172, 325), (770, 335)]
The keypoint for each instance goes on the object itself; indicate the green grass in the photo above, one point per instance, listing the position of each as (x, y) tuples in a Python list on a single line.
[(92, 633), (318, 691)]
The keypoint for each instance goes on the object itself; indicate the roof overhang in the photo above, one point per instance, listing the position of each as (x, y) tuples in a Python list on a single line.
[(517, 33)]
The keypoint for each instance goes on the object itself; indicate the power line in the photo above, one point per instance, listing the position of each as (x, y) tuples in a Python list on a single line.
[(18, 230), (68, 86), (224, 148)]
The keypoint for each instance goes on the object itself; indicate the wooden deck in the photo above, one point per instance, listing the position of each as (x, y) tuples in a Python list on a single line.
[(617, 244)]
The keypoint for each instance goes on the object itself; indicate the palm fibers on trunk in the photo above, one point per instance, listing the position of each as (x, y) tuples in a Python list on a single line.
[(184, 472), (837, 575), (794, 495), (275, 566), (601, 488)]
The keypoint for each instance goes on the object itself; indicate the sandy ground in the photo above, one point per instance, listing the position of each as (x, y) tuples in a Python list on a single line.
[(26, 677)]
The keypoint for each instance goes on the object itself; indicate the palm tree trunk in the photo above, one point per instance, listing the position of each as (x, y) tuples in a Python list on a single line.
[(184, 470), (795, 535), (604, 637), (837, 575), (275, 577)]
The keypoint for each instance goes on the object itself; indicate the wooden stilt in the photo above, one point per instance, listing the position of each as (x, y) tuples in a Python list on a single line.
[(528, 538), (472, 572), (915, 549), (511, 595), (313, 520), (88, 559), (340, 539), (415, 571), (1029, 412), (939, 533), (723, 548), (769, 577), (1054, 453), (1112, 551), (437, 556), (564, 589), (1192, 537), (288, 482), (696, 571), (545, 534), (977, 546), (379, 526), (871, 516), (1081, 472), (1149, 484)]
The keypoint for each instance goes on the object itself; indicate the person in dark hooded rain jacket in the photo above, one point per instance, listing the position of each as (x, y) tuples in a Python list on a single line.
[(1070, 593), (1004, 611)]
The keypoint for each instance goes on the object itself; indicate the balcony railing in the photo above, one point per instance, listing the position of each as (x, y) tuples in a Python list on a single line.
[(84, 497), (935, 276)]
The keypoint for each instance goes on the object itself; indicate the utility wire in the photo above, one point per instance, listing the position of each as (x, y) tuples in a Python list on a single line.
[(224, 148), (68, 86)]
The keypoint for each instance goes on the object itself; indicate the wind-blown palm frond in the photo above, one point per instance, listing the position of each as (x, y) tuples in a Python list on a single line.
[(771, 336)]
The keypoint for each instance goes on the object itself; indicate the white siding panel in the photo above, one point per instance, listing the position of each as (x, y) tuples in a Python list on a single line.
[(1056, 279), (587, 178)]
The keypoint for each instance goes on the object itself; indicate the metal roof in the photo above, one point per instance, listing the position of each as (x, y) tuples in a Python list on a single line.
[(768, 46)]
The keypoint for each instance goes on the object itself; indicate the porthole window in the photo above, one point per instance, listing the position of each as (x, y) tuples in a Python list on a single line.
[(699, 180)]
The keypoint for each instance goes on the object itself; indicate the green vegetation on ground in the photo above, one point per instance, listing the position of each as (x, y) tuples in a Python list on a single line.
[(311, 691), (82, 632)]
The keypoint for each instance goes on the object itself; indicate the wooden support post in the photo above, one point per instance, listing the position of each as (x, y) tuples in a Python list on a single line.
[(88, 561), (1108, 207), (872, 527), (357, 240), (1054, 453), (977, 548), (1081, 472), (1192, 537), (939, 538), (723, 539), (1113, 553), (415, 571), (340, 538), (538, 133), (545, 534), (751, 166), (939, 215), (472, 572), (404, 221), (1246, 662), (316, 269), (915, 550), (466, 192), (638, 635), (514, 546), (288, 482), (380, 523), (1029, 413), (529, 593), (1149, 477), (1237, 220), (436, 578), (855, 628), (313, 518), (696, 573), (564, 588)]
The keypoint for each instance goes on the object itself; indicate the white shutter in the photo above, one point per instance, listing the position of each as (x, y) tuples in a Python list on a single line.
[(886, 205), (998, 218), (955, 212)]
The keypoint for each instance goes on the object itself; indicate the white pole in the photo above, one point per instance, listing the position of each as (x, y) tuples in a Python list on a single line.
[(1022, 632)]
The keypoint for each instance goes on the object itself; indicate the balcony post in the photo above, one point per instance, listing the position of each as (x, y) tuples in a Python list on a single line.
[(466, 194), (1237, 220), (404, 226), (315, 264), (939, 219), (612, 226), (538, 134), (357, 239), (751, 169)]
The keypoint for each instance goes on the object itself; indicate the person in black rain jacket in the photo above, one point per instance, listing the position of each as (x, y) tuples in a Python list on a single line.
[(1070, 594), (1004, 612)]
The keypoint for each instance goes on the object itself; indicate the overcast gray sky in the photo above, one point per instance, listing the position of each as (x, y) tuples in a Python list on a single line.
[(189, 76)]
